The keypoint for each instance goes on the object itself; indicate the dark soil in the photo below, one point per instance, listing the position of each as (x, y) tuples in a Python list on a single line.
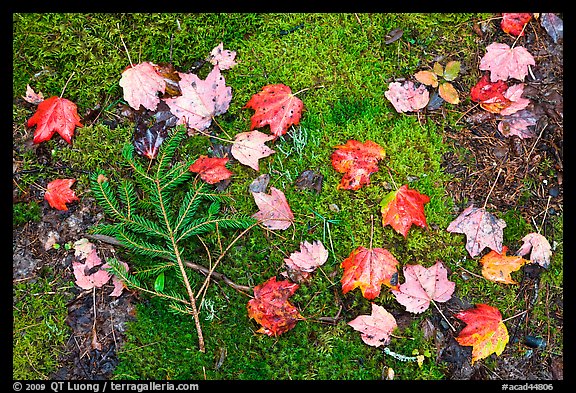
[(98, 321)]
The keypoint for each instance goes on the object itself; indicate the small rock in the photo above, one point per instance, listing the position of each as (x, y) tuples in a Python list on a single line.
[(554, 192)]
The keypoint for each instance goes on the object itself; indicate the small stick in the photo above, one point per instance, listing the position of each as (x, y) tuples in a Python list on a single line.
[(125, 48), (545, 211), (443, 316), (514, 316), (495, 181)]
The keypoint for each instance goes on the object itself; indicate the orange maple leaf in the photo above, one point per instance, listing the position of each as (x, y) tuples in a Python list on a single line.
[(498, 266), (211, 169), (402, 208), (369, 268), (55, 115), (271, 309), (357, 161), (485, 332), (276, 106), (58, 193)]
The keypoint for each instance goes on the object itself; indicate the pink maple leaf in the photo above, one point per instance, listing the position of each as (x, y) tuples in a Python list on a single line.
[(541, 250), (274, 213), (504, 62), (423, 286), (514, 94), (201, 100), (517, 124), (119, 285), (141, 84), (249, 147), (33, 97), (407, 98), (310, 256), (482, 229), (224, 59), (377, 327), (86, 280)]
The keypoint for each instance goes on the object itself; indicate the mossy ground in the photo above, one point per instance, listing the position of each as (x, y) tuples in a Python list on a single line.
[(343, 62)]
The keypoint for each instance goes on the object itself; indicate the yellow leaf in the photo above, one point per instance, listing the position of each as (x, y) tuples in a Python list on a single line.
[(497, 267), (448, 93)]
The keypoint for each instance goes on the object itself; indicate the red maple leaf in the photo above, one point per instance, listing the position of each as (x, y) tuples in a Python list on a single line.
[(201, 100), (357, 161), (274, 213), (484, 332), (423, 286), (211, 169), (271, 309), (369, 268), (482, 229), (58, 193), (514, 22), (375, 328), (55, 114), (402, 208), (276, 106)]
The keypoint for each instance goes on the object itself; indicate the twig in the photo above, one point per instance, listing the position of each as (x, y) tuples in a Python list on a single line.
[(495, 181), (514, 316), (308, 88), (545, 211)]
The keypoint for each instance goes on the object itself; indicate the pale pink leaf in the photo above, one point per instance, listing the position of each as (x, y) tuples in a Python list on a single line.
[(141, 84), (376, 328), (249, 147), (83, 248), (201, 100), (33, 97), (517, 124), (118, 283), (514, 94), (224, 59), (482, 229), (541, 249), (84, 279), (310, 256), (274, 213), (424, 285), (407, 98), (504, 62)]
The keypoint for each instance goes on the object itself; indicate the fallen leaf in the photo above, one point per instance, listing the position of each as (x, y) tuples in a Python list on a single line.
[(377, 327), (201, 100), (224, 59), (171, 79), (541, 249), (553, 25), (517, 102), (310, 256), (357, 161), (426, 77), (504, 62), (402, 208), (484, 332), (274, 213), (55, 114), (82, 248), (249, 147), (393, 36), (33, 97), (514, 22), (211, 169), (271, 309), (276, 106), (369, 268), (497, 267), (119, 285), (423, 286), (151, 130), (406, 97), (309, 179), (85, 279), (517, 124), (141, 84), (448, 93), (451, 70), (260, 183), (490, 95), (482, 229), (58, 193)]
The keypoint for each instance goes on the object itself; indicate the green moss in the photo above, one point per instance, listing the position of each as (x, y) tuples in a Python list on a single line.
[(25, 212), (340, 67), (39, 329)]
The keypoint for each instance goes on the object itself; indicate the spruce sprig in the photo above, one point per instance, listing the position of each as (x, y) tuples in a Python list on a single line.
[(156, 210)]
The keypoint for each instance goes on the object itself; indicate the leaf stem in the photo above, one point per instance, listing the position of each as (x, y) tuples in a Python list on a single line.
[(514, 316), (495, 181), (443, 316), (66, 84), (308, 88), (125, 47)]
